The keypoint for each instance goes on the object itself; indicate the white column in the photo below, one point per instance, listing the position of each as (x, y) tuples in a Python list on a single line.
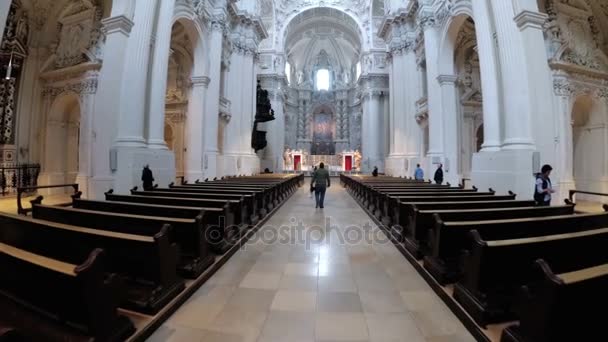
[(565, 166), (451, 127), (160, 66), (194, 128), (431, 43), (371, 131), (391, 87), (135, 84), (517, 109), (411, 94), (87, 107), (276, 131), (489, 76), (212, 99), (5, 6), (249, 87), (109, 95), (233, 93), (399, 94)]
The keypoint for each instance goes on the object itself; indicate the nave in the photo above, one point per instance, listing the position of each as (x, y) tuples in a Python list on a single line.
[(277, 291)]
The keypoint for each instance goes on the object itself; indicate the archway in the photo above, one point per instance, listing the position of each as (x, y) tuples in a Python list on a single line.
[(323, 134), (62, 140), (589, 135), (461, 59), (178, 107)]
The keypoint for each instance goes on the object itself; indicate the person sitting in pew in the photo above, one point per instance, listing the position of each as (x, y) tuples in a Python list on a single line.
[(419, 173), (543, 188)]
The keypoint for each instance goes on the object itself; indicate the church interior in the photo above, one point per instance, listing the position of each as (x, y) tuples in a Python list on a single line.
[(303, 170)]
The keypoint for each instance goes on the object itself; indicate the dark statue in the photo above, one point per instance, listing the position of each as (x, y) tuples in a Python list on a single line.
[(263, 113)]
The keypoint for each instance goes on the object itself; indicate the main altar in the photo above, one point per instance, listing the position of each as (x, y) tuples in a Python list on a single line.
[(299, 160)]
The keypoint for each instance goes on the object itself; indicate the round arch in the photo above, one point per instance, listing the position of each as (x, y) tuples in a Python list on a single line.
[(60, 163), (282, 33)]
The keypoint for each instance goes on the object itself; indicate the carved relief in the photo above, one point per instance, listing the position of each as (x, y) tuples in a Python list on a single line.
[(79, 36)]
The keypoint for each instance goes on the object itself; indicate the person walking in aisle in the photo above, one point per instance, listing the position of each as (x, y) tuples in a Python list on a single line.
[(543, 188), (321, 182), (312, 188), (375, 171), (419, 173), (439, 174)]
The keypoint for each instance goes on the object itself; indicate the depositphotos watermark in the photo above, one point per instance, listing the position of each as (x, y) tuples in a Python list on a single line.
[(298, 233)]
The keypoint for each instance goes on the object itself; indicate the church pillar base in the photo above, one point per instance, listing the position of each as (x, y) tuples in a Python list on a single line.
[(130, 162), (504, 171), (241, 164), (98, 186)]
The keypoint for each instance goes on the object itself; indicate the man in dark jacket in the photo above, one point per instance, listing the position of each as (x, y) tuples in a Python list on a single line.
[(542, 187), (320, 179), (147, 178), (375, 171), (439, 174)]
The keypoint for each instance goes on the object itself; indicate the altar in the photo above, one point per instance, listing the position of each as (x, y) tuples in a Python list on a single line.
[(299, 160)]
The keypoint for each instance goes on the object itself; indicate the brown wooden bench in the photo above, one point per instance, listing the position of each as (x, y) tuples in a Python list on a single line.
[(249, 207), (449, 235), (191, 234), (256, 202), (398, 206), (147, 264), (229, 215), (414, 215), (496, 269), (561, 307), (78, 297), (273, 194)]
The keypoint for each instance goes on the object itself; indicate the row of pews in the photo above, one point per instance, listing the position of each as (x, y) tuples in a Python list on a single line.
[(76, 272), (507, 260)]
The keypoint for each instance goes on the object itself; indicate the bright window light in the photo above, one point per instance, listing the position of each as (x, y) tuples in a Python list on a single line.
[(323, 79), (358, 70), (288, 72)]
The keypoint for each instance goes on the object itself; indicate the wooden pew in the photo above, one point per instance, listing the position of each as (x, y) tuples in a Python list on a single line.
[(191, 234), (449, 234), (255, 202), (249, 208), (76, 299), (382, 203), (416, 219), (562, 307), (398, 206), (229, 215), (273, 194), (496, 269), (147, 264)]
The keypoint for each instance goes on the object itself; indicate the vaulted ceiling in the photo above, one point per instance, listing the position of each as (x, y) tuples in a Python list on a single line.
[(323, 29)]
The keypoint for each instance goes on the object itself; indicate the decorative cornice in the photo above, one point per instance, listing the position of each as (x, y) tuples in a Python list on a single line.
[(530, 19), (120, 24), (447, 79), (200, 81)]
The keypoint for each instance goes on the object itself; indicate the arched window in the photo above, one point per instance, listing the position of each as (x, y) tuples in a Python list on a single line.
[(322, 79), (288, 72), (358, 71)]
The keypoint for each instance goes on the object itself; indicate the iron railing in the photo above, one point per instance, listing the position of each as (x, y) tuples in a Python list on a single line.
[(15, 176)]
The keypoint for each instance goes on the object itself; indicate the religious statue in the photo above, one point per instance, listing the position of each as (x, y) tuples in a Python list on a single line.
[(287, 158), (357, 156)]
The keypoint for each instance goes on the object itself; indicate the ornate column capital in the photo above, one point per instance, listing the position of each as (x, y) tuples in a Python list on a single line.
[(218, 22), (447, 79), (562, 87), (200, 81), (530, 19), (120, 24)]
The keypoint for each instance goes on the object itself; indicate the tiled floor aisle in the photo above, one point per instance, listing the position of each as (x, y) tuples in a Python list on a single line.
[(330, 290)]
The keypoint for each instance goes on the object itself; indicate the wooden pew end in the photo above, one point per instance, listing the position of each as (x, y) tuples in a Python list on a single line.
[(512, 193), (77, 195), (568, 201), (605, 206), (475, 188), (171, 184), (155, 186), (134, 189), (37, 200), (109, 192), (448, 184)]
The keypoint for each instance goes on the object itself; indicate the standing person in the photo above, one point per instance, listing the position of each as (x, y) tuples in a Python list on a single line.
[(312, 188), (419, 173), (147, 178), (439, 174), (543, 188), (321, 182), (375, 172)]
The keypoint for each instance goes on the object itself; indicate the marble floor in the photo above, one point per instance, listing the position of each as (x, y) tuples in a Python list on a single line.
[(315, 275)]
